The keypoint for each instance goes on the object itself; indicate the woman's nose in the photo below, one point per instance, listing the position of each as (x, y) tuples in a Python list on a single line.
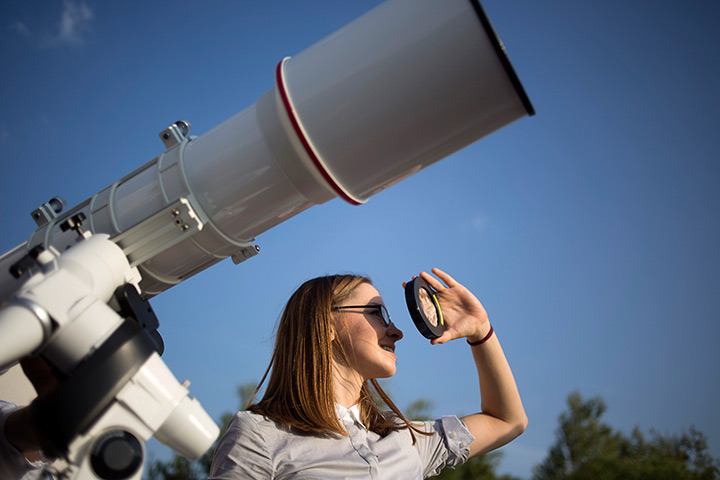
[(394, 332)]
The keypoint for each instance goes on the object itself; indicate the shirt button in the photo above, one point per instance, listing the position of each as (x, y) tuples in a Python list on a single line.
[(462, 445), (453, 434)]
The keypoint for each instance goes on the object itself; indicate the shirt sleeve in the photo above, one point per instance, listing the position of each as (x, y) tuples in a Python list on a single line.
[(449, 446), (241, 452)]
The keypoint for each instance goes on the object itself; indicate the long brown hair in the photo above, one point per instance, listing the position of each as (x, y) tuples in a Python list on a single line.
[(300, 389)]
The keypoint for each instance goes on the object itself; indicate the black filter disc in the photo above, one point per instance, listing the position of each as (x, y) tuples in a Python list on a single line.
[(424, 308)]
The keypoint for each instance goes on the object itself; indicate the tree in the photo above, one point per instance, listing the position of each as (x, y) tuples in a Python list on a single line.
[(478, 468), (587, 448)]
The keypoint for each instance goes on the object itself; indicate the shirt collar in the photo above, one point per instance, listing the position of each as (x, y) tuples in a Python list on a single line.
[(349, 415)]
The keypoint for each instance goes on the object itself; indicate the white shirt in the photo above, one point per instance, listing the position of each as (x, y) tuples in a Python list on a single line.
[(255, 447)]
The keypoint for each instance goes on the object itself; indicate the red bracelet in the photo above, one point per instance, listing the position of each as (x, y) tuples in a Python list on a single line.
[(480, 342)]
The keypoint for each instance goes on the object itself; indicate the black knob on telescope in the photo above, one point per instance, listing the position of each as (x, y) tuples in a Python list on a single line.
[(26, 263), (74, 223), (116, 455)]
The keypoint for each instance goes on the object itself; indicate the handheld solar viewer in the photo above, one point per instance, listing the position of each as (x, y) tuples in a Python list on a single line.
[(424, 308)]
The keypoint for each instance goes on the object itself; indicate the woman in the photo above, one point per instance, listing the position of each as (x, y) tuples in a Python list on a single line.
[(317, 418)]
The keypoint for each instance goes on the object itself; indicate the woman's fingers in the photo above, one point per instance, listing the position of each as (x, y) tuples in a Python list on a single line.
[(433, 282), (444, 338), (445, 277), (438, 341)]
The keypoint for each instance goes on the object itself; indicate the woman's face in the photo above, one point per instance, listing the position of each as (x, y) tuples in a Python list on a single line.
[(368, 343)]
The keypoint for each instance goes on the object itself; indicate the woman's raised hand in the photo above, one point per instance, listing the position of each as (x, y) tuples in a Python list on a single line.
[(463, 313)]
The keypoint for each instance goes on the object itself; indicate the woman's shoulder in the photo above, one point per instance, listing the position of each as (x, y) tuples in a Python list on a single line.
[(246, 422), (245, 438), (246, 419)]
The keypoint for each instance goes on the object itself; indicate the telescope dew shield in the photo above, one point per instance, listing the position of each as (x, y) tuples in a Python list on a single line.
[(398, 89), (424, 308)]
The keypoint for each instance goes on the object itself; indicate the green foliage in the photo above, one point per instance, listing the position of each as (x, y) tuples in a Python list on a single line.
[(179, 468), (478, 468), (587, 448), (420, 410)]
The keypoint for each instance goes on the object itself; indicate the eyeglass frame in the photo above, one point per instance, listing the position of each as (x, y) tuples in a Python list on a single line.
[(384, 314)]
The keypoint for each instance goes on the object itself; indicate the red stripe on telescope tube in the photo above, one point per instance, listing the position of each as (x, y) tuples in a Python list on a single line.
[(313, 156)]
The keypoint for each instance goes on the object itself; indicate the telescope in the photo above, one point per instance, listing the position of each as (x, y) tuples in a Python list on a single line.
[(396, 90)]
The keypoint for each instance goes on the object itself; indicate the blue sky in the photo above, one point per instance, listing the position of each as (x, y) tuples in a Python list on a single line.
[(589, 231)]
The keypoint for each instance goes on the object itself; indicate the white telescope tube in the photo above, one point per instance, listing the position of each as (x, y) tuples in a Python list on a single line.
[(398, 89)]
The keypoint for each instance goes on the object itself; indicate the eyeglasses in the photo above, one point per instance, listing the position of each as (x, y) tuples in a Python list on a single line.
[(379, 311)]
